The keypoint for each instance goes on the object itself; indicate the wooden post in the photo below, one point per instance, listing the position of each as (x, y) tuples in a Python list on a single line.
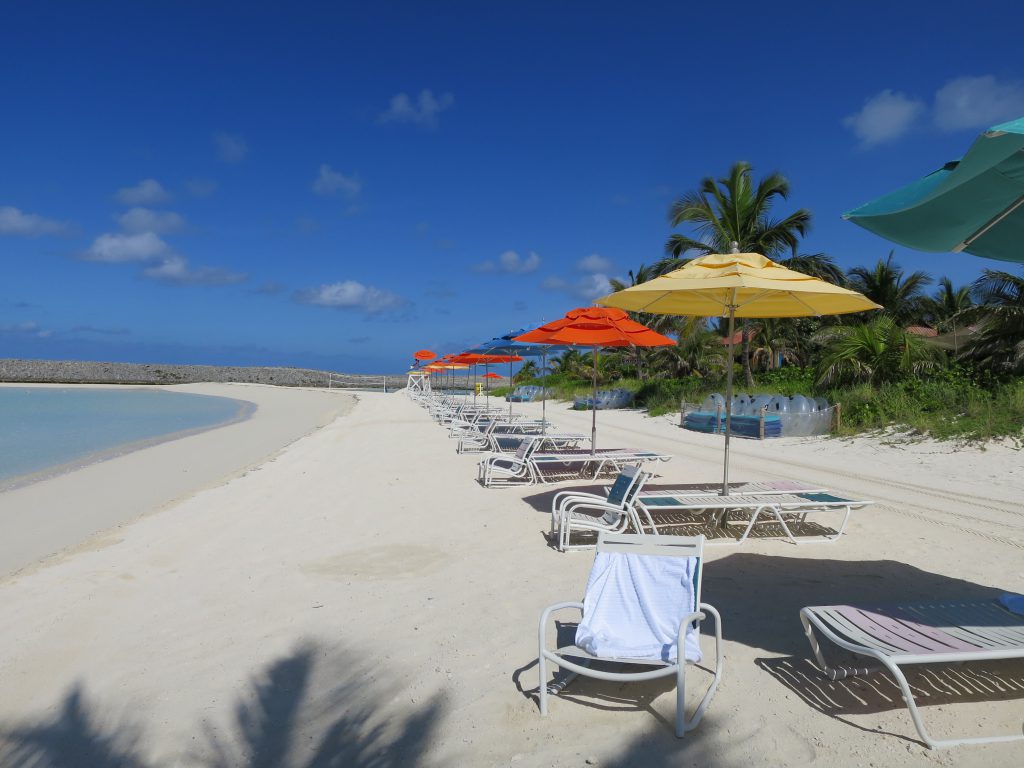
[(762, 423), (839, 416)]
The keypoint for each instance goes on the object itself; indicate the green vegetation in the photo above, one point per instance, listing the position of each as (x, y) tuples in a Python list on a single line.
[(948, 364)]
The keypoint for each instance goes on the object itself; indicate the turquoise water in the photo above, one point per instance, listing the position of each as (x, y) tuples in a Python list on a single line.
[(46, 428)]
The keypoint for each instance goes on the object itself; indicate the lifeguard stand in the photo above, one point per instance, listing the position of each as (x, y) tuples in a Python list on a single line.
[(418, 383)]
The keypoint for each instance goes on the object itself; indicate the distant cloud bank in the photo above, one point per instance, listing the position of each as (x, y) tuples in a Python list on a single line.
[(350, 294), (330, 182), (158, 260), (14, 221), (964, 103), (230, 148), (146, 192), (423, 111), (510, 262)]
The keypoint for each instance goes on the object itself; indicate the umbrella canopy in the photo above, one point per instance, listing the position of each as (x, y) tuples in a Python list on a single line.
[(737, 285), (491, 376), (595, 327), (749, 283), (423, 355), (506, 344), (975, 204)]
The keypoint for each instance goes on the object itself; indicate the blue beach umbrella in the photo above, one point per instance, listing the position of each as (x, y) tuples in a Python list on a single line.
[(504, 345), (974, 204)]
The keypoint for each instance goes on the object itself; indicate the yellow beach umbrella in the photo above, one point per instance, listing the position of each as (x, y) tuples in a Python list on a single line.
[(737, 285)]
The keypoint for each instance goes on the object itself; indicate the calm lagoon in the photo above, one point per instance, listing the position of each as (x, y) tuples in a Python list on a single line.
[(47, 430)]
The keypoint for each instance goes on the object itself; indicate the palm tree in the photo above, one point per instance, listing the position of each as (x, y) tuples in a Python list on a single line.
[(663, 324), (528, 371), (999, 342), (948, 305), (573, 364), (876, 352), (819, 265), (698, 352), (771, 340), (900, 295), (735, 210)]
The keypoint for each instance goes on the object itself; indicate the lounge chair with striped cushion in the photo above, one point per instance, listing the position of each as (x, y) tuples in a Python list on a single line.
[(930, 633)]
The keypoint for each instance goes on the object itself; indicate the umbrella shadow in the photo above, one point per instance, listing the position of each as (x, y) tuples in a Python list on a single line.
[(286, 718)]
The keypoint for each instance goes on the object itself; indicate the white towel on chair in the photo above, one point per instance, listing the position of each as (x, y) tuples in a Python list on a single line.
[(634, 605)]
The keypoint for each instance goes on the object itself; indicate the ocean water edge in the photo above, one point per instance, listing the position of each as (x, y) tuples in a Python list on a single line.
[(45, 431)]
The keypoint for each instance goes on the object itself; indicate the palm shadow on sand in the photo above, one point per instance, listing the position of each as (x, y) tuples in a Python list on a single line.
[(288, 718)]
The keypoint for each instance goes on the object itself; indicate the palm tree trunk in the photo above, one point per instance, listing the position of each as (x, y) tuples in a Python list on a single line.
[(747, 374)]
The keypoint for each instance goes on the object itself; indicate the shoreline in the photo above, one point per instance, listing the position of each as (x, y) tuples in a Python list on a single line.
[(51, 516), (245, 410), (364, 580)]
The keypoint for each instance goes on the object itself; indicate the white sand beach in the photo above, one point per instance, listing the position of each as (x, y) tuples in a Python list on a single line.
[(361, 600)]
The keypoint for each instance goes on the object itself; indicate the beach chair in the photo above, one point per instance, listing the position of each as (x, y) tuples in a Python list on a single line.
[(509, 469), (578, 463), (774, 507), (642, 608), (587, 512), (930, 633)]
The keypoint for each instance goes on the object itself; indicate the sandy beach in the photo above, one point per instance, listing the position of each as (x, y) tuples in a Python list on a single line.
[(361, 600)]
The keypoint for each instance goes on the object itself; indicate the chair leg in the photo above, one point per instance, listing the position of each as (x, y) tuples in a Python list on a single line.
[(681, 696)]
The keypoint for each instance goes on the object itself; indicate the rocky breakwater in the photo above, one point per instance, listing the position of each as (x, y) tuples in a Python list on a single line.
[(81, 372)]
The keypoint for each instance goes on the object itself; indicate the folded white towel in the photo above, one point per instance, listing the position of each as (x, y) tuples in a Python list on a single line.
[(634, 605)]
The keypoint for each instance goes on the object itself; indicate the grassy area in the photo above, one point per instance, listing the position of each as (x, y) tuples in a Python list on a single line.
[(952, 404)]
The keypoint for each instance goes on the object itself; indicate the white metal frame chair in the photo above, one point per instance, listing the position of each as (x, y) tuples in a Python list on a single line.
[(577, 511), (644, 545), (929, 633)]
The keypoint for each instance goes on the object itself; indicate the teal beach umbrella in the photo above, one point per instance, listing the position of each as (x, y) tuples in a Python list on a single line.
[(975, 204)]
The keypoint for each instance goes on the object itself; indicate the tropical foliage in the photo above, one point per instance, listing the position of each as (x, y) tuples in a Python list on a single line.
[(886, 367)]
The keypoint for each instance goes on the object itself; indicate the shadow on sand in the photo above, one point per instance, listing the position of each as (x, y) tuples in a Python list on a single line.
[(287, 719)]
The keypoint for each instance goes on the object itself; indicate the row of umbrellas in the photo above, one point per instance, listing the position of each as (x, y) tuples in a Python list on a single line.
[(731, 285), (975, 205)]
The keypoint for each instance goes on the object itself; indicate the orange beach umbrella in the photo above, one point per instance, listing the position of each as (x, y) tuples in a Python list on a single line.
[(595, 327)]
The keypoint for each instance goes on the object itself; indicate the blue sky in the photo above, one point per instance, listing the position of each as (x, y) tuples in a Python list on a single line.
[(338, 184)]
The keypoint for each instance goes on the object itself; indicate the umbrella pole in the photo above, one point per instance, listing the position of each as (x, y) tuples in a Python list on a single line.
[(728, 393), (543, 393), (593, 410), (474, 383), (487, 369), (510, 390)]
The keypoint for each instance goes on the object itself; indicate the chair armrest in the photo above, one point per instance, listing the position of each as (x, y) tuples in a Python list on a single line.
[(547, 613)]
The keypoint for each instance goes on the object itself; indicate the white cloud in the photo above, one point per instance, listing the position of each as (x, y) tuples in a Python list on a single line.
[(330, 181), (14, 221), (884, 117), (201, 187), (511, 263), (116, 248), (147, 220), (28, 328), (423, 111), (175, 269), (586, 288), (159, 260), (146, 192), (230, 148), (595, 262), (977, 102), (350, 294)]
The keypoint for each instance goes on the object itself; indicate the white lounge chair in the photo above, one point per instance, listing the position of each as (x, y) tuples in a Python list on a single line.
[(774, 507), (931, 633), (630, 602), (573, 511)]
